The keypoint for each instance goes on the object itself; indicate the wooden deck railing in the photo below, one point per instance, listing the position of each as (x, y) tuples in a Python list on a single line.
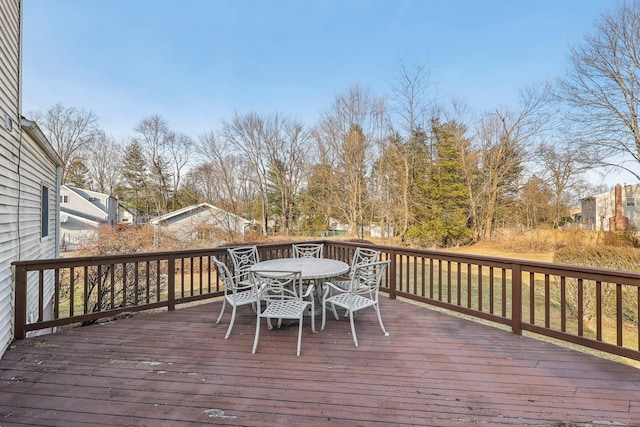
[(590, 307)]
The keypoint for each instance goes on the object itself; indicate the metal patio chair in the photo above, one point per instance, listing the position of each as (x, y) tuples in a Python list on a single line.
[(280, 296), (362, 292), (243, 257), (236, 293), (308, 250)]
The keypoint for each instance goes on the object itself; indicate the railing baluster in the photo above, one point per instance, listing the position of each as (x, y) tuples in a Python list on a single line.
[(532, 298), (547, 305), (459, 283), (563, 304), (580, 309), (99, 286), (56, 293), (112, 274), (479, 288), (491, 290), (40, 295), (599, 310), (72, 287), (124, 284), (619, 314)]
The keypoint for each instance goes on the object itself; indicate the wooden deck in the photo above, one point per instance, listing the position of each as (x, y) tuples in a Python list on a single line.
[(176, 369)]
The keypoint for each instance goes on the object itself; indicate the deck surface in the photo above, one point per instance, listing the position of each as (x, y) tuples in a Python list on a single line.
[(176, 369)]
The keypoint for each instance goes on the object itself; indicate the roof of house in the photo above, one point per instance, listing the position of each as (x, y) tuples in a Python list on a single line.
[(188, 209)]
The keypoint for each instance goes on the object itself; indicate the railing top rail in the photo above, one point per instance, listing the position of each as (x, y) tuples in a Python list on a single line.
[(483, 260)]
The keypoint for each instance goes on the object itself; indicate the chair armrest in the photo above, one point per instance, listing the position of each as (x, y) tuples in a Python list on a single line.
[(328, 286), (309, 291)]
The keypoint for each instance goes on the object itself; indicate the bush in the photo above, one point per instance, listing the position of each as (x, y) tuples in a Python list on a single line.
[(608, 257)]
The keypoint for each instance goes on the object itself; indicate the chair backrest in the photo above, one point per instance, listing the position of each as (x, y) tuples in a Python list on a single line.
[(231, 285), (278, 285), (364, 256), (307, 250), (366, 278), (243, 257)]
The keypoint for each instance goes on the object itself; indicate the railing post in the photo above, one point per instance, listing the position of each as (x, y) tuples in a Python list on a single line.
[(516, 299), (20, 281), (171, 283), (392, 275)]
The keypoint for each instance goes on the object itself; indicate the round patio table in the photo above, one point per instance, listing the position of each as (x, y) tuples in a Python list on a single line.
[(309, 268)]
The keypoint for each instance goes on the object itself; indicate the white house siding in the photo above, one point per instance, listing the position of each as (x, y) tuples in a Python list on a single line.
[(598, 209), (37, 170), (27, 162), (88, 203), (9, 143)]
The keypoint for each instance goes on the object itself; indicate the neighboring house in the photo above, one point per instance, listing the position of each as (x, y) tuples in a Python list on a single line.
[(29, 173), (201, 222), (598, 211), (82, 212)]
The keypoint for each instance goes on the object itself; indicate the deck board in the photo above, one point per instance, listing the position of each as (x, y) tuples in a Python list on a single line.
[(176, 369)]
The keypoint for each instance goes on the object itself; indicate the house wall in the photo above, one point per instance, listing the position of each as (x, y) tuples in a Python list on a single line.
[(37, 169), (88, 203), (27, 163), (597, 210), (9, 151), (631, 212), (76, 232)]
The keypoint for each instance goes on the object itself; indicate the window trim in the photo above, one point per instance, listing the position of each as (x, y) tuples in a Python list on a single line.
[(45, 194)]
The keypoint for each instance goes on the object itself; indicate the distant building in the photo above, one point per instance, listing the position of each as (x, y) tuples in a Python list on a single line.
[(599, 211), (82, 212), (201, 222)]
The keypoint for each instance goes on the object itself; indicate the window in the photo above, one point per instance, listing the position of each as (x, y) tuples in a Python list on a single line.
[(44, 212), (64, 199), (631, 202)]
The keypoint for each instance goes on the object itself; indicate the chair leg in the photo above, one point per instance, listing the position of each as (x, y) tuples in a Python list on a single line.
[(255, 340), (299, 335), (313, 317), (224, 304), (335, 313), (353, 328), (324, 315), (386, 334), (233, 318)]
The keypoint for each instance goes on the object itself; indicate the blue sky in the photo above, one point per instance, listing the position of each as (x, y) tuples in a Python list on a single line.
[(196, 62)]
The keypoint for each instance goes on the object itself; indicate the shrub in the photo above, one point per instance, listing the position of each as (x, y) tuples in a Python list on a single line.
[(608, 257)]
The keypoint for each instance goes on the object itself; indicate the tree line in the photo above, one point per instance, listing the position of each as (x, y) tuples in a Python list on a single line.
[(429, 173)]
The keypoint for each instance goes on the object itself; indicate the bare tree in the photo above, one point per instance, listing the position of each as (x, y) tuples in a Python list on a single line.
[(223, 175), (247, 135), (345, 137), (603, 86), (410, 96), (154, 136), (70, 131), (287, 143), (562, 167), (503, 137), (179, 147), (104, 162)]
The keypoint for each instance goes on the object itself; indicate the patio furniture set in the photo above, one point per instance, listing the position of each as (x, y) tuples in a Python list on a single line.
[(287, 288)]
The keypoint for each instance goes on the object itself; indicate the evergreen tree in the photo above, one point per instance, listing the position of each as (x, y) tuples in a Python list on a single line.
[(136, 179), (442, 219), (78, 175)]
